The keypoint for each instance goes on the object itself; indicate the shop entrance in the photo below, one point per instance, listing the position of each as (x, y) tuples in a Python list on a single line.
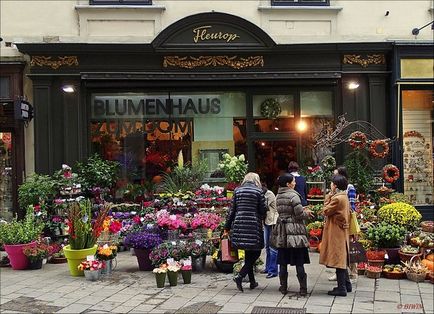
[(272, 158)]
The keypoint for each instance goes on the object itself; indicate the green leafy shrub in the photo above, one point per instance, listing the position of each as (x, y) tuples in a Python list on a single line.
[(360, 171), (36, 189), (20, 232), (400, 213), (97, 172), (384, 235)]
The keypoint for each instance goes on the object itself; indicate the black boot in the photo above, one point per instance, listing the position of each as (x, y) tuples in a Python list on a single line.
[(239, 281), (253, 282), (348, 284), (283, 283), (341, 289), (302, 280)]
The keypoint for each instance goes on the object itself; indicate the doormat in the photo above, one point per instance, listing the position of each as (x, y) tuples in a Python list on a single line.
[(277, 310)]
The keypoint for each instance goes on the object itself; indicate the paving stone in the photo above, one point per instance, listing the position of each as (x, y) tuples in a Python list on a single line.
[(91, 300), (341, 308), (144, 309), (123, 309), (317, 309), (75, 308), (386, 307), (232, 307), (118, 297), (105, 305), (387, 296), (325, 300)]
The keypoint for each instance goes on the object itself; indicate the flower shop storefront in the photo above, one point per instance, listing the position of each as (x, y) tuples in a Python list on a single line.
[(208, 84)]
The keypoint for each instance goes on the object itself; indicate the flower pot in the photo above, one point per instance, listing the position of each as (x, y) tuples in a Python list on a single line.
[(108, 267), (75, 257), (229, 194), (143, 259), (35, 264), (393, 255), (16, 256), (58, 260), (92, 275), (186, 276), (198, 263), (161, 279), (173, 277)]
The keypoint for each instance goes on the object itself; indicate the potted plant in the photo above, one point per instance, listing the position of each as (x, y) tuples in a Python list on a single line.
[(159, 255), (106, 254), (83, 233), (234, 168), (186, 271), (160, 275), (172, 273), (143, 242), (91, 269), (36, 254), (35, 189), (400, 213), (19, 234), (388, 237)]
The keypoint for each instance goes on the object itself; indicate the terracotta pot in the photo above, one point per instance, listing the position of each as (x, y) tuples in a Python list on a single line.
[(16, 256)]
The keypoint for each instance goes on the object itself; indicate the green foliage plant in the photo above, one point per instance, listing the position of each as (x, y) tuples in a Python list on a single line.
[(36, 189), (97, 172), (384, 235), (22, 231), (400, 213), (359, 171), (184, 178)]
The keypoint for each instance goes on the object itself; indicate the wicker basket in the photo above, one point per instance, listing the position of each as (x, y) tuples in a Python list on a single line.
[(373, 274), (427, 226), (405, 257), (413, 276), (391, 275)]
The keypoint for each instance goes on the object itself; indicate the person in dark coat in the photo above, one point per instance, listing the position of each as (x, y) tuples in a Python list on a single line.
[(289, 235), (245, 220), (300, 181)]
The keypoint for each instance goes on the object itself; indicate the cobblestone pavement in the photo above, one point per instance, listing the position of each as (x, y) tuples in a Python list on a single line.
[(127, 290)]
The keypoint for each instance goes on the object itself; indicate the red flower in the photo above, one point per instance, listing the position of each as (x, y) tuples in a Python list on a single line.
[(115, 227), (136, 219)]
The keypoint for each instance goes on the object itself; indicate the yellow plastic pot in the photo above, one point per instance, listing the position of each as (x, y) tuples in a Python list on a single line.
[(75, 257)]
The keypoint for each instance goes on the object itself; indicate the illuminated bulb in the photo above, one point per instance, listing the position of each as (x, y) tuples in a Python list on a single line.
[(262, 143), (301, 126), (68, 89), (353, 85), (276, 128)]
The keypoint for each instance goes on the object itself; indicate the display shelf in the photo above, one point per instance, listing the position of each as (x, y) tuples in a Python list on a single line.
[(317, 189)]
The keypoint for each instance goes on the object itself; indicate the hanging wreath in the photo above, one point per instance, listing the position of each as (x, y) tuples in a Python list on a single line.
[(358, 140), (379, 149), (390, 173), (270, 108)]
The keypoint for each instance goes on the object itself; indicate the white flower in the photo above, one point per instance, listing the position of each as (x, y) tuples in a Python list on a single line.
[(221, 166), (232, 163), (66, 167), (226, 155), (159, 270), (172, 217), (241, 157)]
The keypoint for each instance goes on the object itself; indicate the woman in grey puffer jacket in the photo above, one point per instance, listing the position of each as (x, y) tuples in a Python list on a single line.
[(289, 235)]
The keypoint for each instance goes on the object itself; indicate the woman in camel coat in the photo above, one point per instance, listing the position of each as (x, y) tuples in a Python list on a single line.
[(335, 240)]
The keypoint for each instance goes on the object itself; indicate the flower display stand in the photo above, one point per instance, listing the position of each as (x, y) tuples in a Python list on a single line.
[(160, 279), (16, 256), (75, 257), (186, 276), (173, 277)]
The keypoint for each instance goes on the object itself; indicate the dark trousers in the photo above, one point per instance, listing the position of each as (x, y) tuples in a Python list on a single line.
[(250, 257), (283, 271)]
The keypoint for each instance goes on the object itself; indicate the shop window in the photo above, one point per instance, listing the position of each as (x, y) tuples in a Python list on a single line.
[(300, 2), (316, 103), (418, 111), (265, 121), (120, 2), (146, 132)]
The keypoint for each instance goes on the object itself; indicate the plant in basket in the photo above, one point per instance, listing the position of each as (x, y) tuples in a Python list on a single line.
[(406, 252), (373, 272)]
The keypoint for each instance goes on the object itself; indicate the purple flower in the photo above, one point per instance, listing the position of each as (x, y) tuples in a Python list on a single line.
[(143, 240)]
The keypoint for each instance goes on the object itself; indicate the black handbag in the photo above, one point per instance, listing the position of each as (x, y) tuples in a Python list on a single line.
[(357, 252)]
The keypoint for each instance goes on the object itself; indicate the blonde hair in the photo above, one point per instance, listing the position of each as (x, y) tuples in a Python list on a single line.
[(252, 177)]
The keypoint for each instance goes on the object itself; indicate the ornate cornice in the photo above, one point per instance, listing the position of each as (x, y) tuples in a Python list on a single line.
[(213, 61), (54, 64), (364, 62)]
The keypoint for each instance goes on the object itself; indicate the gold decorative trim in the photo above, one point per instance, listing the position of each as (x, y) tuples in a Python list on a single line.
[(364, 62), (213, 61), (54, 64)]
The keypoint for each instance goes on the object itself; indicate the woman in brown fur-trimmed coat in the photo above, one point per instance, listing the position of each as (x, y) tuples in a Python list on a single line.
[(335, 239)]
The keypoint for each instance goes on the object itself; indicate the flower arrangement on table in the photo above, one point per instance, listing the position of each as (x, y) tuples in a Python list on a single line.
[(205, 220), (234, 168), (315, 174), (36, 253), (90, 265), (400, 213), (171, 222), (105, 253)]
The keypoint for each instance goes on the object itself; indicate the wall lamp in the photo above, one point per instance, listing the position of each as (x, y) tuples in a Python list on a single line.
[(353, 85), (68, 88), (415, 31)]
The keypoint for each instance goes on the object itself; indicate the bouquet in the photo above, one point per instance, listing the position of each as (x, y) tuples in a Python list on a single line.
[(90, 265), (105, 253), (175, 267), (160, 270), (83, 230), (234, 168)]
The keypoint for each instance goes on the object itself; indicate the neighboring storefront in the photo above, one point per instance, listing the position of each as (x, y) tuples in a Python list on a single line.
[(207, 84), (11, 138), (415, 98)]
